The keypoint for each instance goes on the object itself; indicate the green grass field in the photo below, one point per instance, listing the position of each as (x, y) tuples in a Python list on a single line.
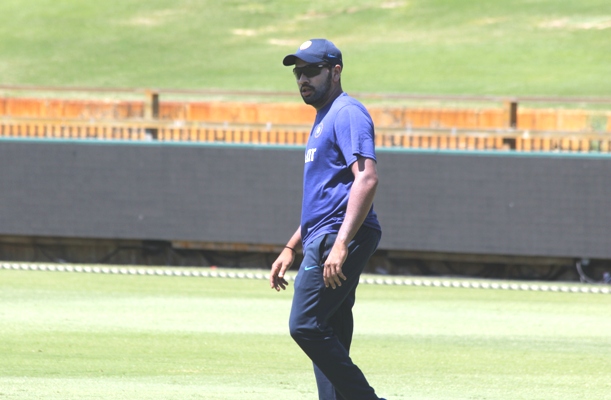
[(109, 336), (518, 47)]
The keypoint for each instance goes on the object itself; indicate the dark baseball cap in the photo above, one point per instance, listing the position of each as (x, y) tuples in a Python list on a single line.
[(315, 51)]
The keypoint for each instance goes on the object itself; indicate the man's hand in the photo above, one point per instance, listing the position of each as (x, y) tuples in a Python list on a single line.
[(279, 267), (332, 272)]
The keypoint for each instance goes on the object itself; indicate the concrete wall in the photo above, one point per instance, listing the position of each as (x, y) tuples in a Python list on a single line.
[(549, 205)]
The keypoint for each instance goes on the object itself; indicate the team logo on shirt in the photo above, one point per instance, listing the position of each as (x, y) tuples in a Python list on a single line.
[(318, 130)]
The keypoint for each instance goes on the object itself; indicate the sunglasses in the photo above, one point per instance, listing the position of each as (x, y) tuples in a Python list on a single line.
[(310, 70)]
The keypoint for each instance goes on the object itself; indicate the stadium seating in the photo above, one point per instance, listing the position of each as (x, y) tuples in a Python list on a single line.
[(289, 124)]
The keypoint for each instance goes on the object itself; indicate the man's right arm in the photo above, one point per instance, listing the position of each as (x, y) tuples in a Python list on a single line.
[(284, 262)]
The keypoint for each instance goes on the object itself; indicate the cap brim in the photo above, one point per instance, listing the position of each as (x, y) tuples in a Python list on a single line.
[(292, 58)]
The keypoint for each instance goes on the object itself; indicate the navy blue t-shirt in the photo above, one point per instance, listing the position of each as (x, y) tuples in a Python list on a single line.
[(342, 131)]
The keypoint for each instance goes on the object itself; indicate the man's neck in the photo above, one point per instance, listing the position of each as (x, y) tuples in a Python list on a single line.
[(334, 94)]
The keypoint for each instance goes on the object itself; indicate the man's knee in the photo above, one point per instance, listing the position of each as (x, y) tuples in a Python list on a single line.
[(299, 331), (297, 334), (305, 332)]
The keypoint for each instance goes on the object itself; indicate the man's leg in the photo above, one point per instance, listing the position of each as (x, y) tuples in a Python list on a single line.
[(313, 309), (342, 323)]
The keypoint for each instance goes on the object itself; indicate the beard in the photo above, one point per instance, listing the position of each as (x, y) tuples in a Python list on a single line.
[(319, 94)]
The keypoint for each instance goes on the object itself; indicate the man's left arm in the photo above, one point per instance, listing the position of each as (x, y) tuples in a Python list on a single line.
[(359, 203)]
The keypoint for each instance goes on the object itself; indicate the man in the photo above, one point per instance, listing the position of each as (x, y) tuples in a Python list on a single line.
[(339, 229)]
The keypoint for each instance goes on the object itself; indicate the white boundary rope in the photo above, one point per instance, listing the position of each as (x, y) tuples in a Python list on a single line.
[(397, 281)]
